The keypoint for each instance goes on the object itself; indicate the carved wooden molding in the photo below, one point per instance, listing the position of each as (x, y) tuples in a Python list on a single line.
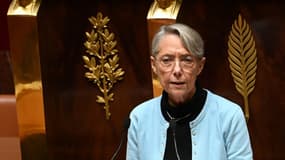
[(164, 9), (24, 7)]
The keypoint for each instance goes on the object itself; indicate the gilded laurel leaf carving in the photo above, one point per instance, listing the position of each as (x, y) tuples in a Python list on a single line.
[(102, 60), (242, 58)]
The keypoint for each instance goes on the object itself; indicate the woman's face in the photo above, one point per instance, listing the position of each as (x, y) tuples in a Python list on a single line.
[(176, 68)]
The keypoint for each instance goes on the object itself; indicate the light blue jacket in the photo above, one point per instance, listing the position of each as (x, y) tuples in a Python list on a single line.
[(218, 133)]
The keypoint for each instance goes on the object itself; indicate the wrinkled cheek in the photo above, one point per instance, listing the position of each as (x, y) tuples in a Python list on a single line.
[(163, 78), (163, 75)]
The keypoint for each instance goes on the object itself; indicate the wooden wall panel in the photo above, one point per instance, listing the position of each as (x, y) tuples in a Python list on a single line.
[(75, 123), (6, 79), (4, 40), (266, 19), (6, 75)]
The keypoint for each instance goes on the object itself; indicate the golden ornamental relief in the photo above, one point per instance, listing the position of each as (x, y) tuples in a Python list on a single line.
[(243, 59), (102, 60), (164, 9), (24, 7)]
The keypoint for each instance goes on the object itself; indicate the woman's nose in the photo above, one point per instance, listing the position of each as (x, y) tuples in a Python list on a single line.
[(177, 66)]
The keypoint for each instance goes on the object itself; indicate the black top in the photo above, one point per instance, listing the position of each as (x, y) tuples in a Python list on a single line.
[(179, 133)]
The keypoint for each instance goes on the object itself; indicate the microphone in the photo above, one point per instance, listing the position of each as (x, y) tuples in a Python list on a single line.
[(124, 132)]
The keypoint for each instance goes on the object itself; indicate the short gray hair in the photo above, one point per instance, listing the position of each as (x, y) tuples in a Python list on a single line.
[(191, 39)]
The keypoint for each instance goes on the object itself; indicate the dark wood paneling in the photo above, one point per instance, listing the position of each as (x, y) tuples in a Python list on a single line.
[(4, 41), (75, 123), (6, 75), (266, 19)]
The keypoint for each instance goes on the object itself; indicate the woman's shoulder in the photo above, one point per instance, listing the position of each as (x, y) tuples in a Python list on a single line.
[(222, 105), (147, 105)]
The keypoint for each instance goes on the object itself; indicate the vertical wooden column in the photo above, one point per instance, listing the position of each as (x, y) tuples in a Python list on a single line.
[(23, 35), (160, 13)]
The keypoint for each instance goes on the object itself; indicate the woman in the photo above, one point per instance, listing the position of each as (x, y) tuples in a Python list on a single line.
[(186, 122)]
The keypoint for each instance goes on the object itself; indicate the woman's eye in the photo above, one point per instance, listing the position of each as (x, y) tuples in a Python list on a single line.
[(166, 60), (187, 59)]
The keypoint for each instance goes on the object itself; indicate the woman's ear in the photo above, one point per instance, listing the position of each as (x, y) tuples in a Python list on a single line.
[(201, 65), (153, 65)]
